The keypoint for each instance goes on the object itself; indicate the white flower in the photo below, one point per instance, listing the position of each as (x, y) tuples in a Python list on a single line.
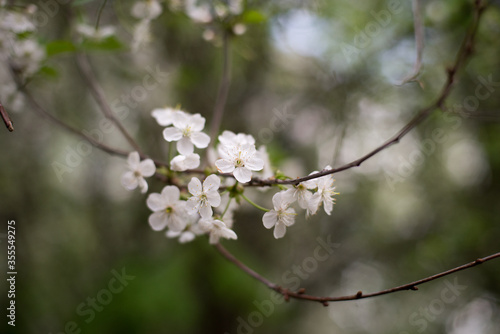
[(138, 170), (281, 216), (239, 160), (217, 229), (304, 197), (187, 131), (229, 138), (167, 209), (181, 163), (141, 34), (96, 34), (149, 9), (28, 55), (165, 116), (16, 22), (188, 234), (203, 197), (324, 193), (198, 13)]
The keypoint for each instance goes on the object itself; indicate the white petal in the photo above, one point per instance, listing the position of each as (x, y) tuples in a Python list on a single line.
[(197, 122), (213, 198), (194, 187), (278, 201), (200, 139), (129, 181), (206, 211), (158, 220), (328, 205), (214, 238), (156, 202), (186, 237), (254, 164), (181, 120), (170, 194), (211, 183), (242, 174), (224, 166), (176, 223), (185, 146), (172, 234), (133, 160), (192, 161), (147, 167), (270, 219), (289, 195), (279, 231), (164, 116), (143, 185), (192, 205), (228, 234), (172, 134)]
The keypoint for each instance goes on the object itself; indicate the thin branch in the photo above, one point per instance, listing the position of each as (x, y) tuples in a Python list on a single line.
[(6, 118), (419, 40), (462, 55), (98, 94), (299, 294), (223, 91), (99, 13)]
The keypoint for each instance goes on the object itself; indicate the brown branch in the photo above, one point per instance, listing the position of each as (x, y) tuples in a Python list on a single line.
[(464, 52), (6, 118), (98, 94), (299, 294)]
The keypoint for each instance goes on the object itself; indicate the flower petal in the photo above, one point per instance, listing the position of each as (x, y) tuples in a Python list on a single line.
[(176, 223), (206, 211), (192, 205), (254, 164), (200, 139), (147, 167), (156, 202), (185, 146), (129, 181), (133, 160), (164, 116), (279, 231), (170, 195), (211, 183), (143, 185), (197, 122), (224, 166), (242, 174), (213, 198), (172, 134), (194, 187), (270, 219), (158, 220)]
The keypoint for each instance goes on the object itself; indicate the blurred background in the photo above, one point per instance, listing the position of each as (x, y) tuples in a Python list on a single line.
[(317, 82)]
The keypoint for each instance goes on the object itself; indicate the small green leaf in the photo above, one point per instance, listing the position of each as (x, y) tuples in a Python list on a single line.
[(48, 71), (56, 47), (253, 17), (108, 44)]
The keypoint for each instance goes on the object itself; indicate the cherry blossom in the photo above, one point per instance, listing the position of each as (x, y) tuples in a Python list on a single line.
[(217, 229), (204, 197), (184, 162), (186, 132), (167, 209), (281, 217), (138, 171), (240, 160)]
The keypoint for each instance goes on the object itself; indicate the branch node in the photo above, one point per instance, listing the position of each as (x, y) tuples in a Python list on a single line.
[(479, 261), (414, 288), (325, 303), (359, 294), (301, 291)]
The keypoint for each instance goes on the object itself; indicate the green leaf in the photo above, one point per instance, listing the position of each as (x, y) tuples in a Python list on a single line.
[(48, 71), (109, 44), (253, 17), (56, 47)]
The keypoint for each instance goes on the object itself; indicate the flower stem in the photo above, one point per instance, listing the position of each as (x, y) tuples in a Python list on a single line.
[(227, 207), (254, 204)]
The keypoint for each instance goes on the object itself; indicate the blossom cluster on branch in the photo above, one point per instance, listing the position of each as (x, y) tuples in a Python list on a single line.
[(203, 206)]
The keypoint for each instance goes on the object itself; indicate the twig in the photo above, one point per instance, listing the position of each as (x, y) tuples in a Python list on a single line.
[(223, 91), (6, 118), (419, 40), (99, 13), (299, 294), (462, 55), (98, 94)]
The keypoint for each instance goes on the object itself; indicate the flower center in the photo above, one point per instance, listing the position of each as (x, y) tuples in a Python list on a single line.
[(239, 163), (137, 173), (169, 209), (187, 131)]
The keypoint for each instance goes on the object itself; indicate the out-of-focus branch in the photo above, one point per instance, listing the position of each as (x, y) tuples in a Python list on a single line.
[(223, 91), (464, 52), (300, 294), (419, 41), (98, 94), (6, 118)]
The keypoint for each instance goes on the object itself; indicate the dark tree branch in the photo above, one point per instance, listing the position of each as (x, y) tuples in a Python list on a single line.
[(98, 94), (300, 294), (464, 52), (6, 118)]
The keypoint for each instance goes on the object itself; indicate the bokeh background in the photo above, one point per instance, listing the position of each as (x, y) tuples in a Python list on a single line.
[(425, 205)]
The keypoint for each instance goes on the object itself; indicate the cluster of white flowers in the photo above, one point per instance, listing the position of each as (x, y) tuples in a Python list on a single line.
[(17, 43), (202, 209), (145, 11)]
